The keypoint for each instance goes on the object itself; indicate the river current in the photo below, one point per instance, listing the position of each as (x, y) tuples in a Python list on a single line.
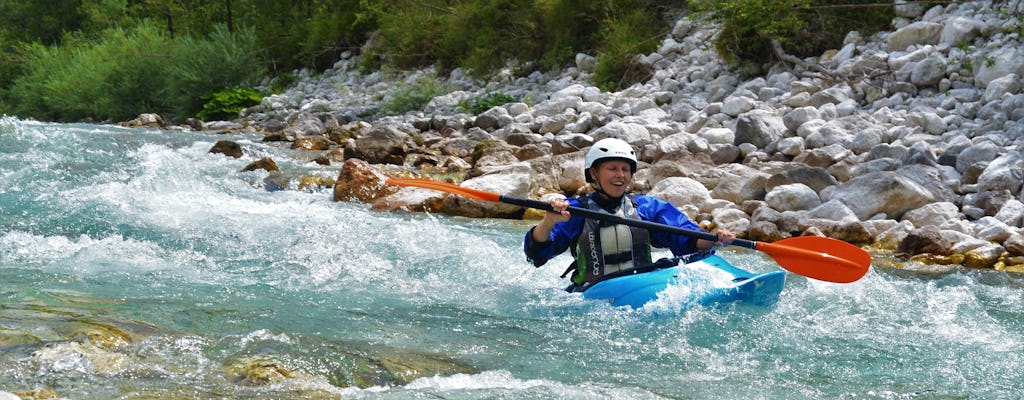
[(135, 263)]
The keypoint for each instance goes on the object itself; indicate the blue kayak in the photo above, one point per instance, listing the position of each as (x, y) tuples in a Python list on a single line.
[(706, 282)]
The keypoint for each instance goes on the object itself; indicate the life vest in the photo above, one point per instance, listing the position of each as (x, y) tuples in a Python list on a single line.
[(605, 248)]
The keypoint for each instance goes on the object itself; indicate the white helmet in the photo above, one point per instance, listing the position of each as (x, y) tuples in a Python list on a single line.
[(609, 148)]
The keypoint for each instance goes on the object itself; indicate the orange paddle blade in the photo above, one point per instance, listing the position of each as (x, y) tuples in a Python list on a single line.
[(446, 187), (820, 258)]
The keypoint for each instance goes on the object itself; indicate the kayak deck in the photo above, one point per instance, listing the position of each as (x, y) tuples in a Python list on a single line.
[(709, 281)]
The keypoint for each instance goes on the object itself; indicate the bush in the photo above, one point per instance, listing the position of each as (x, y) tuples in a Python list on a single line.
[(129, 72), (803, 27), (629, 34), (116, 78), (224, 60), (413, 96), (226, 104), (486, 102), (483, 36)]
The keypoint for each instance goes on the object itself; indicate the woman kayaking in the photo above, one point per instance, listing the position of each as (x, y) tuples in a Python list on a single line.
[(601, 248)]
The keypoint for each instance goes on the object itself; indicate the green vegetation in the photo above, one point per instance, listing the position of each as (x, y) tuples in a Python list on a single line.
[(114, 59), (483, 103), (226, 104), (127, 72), (802, 27), (413, 96)]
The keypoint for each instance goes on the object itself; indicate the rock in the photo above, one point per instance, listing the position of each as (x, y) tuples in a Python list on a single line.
[(736, 105), (984, 256), (265, 163), (146, 121), (841, 132), (732, 219), (680, 191), (741, 187), (302, 125), (1015, 244), (891, 238), (1009, 84), (795, 197), (885, 193), (999, 63), (257, 371), (993, 230), (791, 146), (227, 148), (718, 136), (983, 152), (759, 127), (360, 181), (411, 199), (917, 33), (632, 133), (957, 30), (312, 143), (929, 72), (934, 214), (920, 241), (816, 178), (794, 119), (495, 117), (1004, 173), (514, 180), (1011, 213), (832, 210), (384, 143), (765, 231)]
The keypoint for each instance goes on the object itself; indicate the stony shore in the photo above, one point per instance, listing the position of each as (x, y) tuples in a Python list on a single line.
[(909, 142)]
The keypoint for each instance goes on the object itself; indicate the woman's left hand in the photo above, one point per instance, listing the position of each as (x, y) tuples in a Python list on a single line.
[(725, 237)]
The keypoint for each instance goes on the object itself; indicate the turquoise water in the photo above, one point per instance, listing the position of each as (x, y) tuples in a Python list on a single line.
[(196, 266)]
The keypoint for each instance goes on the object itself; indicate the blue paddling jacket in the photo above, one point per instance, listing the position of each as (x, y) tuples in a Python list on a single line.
[(568, 234)]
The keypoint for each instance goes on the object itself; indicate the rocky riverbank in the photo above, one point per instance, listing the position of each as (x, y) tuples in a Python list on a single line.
[(909, 141)]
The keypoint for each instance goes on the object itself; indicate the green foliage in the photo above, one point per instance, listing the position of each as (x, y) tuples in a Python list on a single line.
[(413, 96), (308, 34), (486, 102), (226, 59), (483, 36), (226, 104), (38, 21), (128, 72), (802, 27), (632, 32)]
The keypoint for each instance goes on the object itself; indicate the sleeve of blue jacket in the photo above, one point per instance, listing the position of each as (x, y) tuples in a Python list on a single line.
[(663, 212), (562, 236), (649, 208)]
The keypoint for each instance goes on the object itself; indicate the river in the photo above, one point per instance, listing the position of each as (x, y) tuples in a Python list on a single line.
[(135, 263)]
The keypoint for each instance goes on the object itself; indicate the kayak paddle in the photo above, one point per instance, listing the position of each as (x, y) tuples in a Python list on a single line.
[(816, 257)]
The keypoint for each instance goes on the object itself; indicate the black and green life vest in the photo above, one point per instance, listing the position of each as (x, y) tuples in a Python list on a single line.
[(605, 248)]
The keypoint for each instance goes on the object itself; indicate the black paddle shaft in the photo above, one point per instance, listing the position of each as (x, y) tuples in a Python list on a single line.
[(603, 216)]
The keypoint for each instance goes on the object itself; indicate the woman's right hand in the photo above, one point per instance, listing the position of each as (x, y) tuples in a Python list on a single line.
[(559, 214), (543, 229)]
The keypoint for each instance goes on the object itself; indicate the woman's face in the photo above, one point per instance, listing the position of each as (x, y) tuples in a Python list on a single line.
[(612, 177)]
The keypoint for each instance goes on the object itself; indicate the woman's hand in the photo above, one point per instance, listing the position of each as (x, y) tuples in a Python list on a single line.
[(542, 231), (725, 237), (559, 214)]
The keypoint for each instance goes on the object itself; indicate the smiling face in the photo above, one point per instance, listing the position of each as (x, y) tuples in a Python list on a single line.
[(612, 177)]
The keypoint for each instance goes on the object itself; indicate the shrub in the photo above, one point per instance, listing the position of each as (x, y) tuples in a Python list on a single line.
[(802, 27), (627, 35), (226, 104), (127, 72), (224, 60), (412, 96), (486, 102), (116, 78)]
